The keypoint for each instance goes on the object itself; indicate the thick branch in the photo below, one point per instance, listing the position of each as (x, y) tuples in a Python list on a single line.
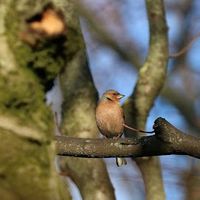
[(167, 140), (150, 81)]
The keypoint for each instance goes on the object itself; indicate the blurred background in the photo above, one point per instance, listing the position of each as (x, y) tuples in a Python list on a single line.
[(125, 22)]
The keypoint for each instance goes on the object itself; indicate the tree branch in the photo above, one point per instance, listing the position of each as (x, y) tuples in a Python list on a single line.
[(167, 140), (106, 37), (151, 79)]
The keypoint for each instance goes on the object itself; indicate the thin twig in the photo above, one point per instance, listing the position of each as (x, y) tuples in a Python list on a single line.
[(136, 130), (186, 48)]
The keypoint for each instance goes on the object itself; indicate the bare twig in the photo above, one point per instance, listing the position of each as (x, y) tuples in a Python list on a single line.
[(106, 38), (186, 48), (136, 130)]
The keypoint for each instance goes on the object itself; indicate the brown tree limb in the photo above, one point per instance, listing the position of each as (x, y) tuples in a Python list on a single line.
[(166, 141), (150, 81)]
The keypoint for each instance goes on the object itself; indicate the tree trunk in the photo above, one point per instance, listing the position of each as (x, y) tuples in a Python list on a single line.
[(78, 119), (27, 70)]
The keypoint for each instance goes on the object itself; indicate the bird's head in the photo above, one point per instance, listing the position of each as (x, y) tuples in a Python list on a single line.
[(112, 95)]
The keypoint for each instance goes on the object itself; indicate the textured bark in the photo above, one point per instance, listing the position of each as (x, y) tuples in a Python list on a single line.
[(192, 182), (167, 140), (78, 116), (151, 79), (27, 169)]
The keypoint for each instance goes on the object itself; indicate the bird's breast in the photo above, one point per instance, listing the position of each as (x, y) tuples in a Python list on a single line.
[(110, 119)]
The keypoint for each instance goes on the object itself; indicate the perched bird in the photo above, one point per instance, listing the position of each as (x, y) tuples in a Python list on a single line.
[(110, 117)]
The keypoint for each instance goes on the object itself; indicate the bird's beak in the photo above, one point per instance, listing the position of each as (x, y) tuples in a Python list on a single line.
[(120, 96)]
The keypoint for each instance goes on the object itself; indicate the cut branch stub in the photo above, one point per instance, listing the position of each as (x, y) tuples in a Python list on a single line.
[(166, 131)]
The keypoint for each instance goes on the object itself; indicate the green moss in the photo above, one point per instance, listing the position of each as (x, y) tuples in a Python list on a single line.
[(74, 43), (22, 97), (45, 59), (27, 163), (22, 91), (31, 167)]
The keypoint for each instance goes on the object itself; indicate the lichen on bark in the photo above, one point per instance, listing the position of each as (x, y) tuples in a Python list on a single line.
[(26, 123)]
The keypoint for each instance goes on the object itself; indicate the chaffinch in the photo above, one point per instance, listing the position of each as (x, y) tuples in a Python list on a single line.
[(110, 117)]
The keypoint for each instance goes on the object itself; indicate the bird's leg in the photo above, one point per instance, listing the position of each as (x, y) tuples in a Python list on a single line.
[(117, 137)]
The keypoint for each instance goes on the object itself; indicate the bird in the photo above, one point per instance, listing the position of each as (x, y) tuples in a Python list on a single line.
[(110, 118)]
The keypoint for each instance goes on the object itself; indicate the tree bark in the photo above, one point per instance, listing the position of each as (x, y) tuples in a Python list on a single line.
[(167, 140), (151, 79), (78, 116), (27, 70)]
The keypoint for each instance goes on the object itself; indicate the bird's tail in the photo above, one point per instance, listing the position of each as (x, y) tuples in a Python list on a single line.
[(136, 130), (120, 161)]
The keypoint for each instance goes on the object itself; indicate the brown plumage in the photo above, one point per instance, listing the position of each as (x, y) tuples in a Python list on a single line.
[(110, 117)]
